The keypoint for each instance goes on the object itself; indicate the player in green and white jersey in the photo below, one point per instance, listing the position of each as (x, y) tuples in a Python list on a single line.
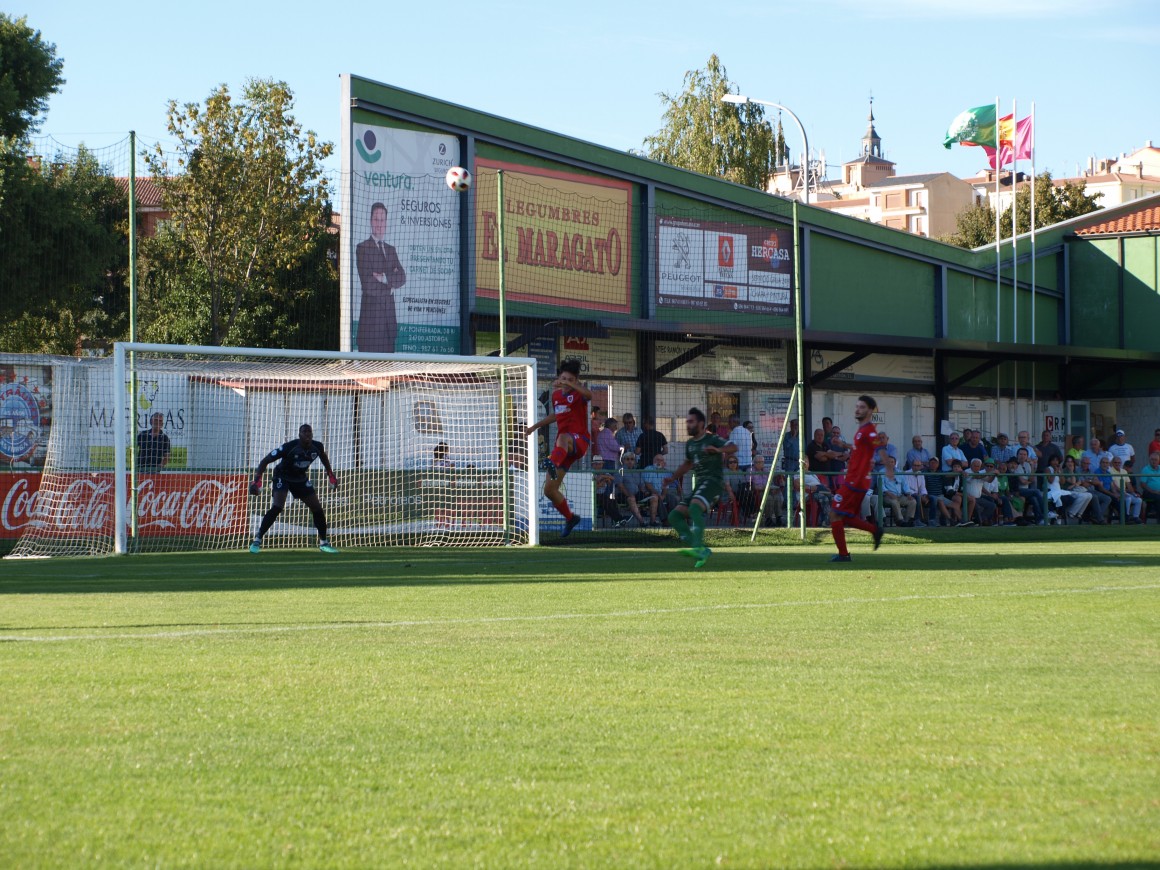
[(704, 455)]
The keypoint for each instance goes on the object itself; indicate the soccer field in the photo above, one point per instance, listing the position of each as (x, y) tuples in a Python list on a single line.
[(936, 704)]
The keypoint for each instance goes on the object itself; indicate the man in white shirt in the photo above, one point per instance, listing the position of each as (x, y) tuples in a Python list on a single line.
[(914, 485), (1121, 448), (743, 438), (951, 452)]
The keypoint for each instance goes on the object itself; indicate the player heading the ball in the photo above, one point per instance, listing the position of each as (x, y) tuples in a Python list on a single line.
[(570, 400), (291, 477)]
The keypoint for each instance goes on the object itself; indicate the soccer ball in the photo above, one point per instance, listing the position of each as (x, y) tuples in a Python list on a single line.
[(458, 179)]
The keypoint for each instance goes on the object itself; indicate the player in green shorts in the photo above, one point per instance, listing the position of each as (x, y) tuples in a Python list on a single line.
[(704, 455)]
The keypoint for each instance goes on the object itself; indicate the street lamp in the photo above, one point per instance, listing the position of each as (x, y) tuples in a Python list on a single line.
[(798, 394), (738, 99)]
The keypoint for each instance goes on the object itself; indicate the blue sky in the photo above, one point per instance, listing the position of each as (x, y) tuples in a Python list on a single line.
[(594, 70)]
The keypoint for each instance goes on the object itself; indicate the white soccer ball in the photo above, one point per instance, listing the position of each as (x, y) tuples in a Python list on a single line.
[(458, 179)]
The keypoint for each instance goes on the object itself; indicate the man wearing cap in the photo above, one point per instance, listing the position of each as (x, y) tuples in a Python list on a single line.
[(1121, 448), (1002, 451)]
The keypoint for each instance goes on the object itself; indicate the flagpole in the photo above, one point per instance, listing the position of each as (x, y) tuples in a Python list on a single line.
[(1033, 185), (1014, 260), (998, 263)]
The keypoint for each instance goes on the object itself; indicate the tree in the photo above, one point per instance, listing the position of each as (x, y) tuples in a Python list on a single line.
[(30, 72), (705, 135), (975, 226), (249, 204)]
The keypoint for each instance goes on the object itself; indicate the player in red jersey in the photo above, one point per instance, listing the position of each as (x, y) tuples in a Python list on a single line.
[(570, 400), (846, 509)]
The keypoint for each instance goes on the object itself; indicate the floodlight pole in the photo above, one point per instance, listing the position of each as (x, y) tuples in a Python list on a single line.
[(799, 325)]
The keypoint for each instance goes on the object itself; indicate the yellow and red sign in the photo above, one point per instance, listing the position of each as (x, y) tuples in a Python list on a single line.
[(568, 237)]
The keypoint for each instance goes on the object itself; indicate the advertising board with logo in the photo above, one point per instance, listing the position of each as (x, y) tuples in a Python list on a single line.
[(569, 238), (738, 365), (400, 241), (25, 415), (612, 357), (717, 266), (82, 504)]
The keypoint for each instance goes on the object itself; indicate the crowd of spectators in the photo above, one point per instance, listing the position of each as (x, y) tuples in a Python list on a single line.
[(968, 481)]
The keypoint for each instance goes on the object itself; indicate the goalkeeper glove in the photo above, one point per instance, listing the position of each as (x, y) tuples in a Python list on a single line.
[(256, 485), (332, 480)]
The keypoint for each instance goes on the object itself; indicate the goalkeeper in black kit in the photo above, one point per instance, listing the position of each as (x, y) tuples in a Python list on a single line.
[(294, 459)]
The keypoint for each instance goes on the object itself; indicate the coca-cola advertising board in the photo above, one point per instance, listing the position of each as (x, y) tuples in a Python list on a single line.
[(82, 504)]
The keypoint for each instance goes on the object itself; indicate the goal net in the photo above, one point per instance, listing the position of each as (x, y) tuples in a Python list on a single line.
[(428, 450)]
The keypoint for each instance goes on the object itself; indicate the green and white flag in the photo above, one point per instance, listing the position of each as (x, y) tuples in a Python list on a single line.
[(975, 126)]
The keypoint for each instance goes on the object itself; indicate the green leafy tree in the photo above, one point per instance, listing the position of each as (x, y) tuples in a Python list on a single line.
[(64, 255), (250, 211), (30, 72), (703, 134), (975, 226)]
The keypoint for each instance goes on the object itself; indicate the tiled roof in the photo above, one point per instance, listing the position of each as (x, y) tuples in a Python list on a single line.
[(1145, 220), (148, 191)]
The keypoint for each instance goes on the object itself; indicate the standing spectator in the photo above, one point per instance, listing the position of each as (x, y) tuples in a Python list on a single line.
[(1125, 492), (839, 453), (827, 426), (153, 446), (1076, 450), (715, 424), (1045, 451), (743, 438), (1101, 495), (1002, 451), (882, 453), (1025, 484), (951, 452), (974, 448), (789, 448), (895, 497), (650, 444), (628, 435), (914, 485), (817, 455), (1080, 497), (607, 445), (1121, 448), (1149, 479), (596, 422), (917, 451)]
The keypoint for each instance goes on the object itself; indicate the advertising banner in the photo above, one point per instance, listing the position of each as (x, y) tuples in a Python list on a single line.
[(569, 237), (887, 368), (738, 365), (25, 415), (612, 357), (167, 504), (716, 266), (400, 240)]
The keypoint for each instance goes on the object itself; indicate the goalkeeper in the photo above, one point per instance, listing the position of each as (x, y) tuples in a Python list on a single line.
[(704, 455), (294, 459)]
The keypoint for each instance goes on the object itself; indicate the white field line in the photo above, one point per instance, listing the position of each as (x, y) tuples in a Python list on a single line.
[(550, 617)]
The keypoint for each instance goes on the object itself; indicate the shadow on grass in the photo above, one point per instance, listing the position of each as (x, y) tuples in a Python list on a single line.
[(303, 569)]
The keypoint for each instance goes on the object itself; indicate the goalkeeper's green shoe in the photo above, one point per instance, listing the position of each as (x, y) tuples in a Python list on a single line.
[(256, 547), (325, 547)]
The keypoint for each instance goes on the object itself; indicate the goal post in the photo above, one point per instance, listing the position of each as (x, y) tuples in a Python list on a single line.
[(417, 443)]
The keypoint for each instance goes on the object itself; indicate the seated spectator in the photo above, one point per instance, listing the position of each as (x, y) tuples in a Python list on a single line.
[(654, 478), (1026, 484), (1093, 454), (818, 493), (973, 479), (1045, 450), (1075, 451), (1015, 503), (759, 480), (1124, 491), (917, 451), (1080, 497), (604, 485), (895, 498), (951, 452), (914, 485), (1101, 494), (631, 486), (1149, 480), (1002, 451), (974, 448), (997, 500), (950, 502), (1059, 498)]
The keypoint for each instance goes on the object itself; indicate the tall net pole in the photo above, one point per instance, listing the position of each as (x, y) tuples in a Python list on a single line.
[(503, 415), (133, 324), (799, 387)]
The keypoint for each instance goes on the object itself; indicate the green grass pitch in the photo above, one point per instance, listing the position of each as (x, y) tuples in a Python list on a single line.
[(994, 702)]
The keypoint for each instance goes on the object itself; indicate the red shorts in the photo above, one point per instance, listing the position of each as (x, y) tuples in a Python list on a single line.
[(579, 448), (848, 501)]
